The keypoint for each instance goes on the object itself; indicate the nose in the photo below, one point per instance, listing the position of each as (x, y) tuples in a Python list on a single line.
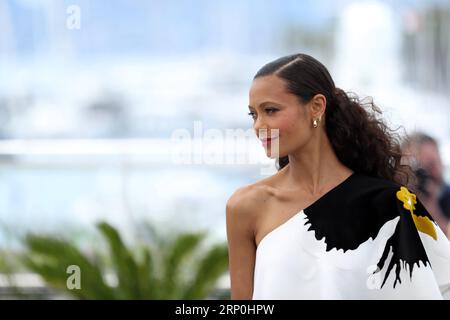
[(261, 129), (263, 133)]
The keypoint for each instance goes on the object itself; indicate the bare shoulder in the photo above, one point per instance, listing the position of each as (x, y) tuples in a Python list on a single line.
[(246, 203), (243, 208), (248, 198)]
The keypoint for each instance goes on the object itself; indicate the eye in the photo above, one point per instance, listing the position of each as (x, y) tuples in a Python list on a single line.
[(271, 110), (252, 114)]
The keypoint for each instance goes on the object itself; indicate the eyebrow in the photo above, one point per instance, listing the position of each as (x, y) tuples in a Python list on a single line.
[(265, 103)]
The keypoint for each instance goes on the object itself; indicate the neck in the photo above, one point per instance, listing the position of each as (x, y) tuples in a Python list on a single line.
[(316, 168)]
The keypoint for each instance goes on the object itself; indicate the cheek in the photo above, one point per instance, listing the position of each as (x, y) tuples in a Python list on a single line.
[(295, 132), (291, 124)]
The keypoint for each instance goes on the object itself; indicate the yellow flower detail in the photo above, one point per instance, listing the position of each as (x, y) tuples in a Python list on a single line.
[(408, 199), (423, 224)]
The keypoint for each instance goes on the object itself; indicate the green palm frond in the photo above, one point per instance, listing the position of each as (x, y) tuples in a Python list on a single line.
[(126, 267), (9, 263), (182, 247), (207, 271), (148, 280), (169, 268), (50, 257)]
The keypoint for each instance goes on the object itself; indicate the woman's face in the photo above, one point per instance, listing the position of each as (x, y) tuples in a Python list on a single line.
[(273, 107)]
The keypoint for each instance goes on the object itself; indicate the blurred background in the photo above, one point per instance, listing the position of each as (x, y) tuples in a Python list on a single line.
[(91, 93)]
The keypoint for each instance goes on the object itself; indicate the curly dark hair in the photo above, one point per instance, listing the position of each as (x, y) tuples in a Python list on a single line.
[(360, 138)]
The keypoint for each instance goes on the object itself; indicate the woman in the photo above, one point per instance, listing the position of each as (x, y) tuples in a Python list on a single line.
[(335, 221)]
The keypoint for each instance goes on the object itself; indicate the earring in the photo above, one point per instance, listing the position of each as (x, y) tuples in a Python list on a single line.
[(315, 123)]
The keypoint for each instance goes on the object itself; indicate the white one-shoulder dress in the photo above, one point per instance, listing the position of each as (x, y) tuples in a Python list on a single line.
[(367, 238)]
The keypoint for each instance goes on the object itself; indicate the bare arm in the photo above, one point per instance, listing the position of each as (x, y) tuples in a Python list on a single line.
[(241, 245)]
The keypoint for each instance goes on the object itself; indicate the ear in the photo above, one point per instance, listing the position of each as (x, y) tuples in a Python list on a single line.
[(318, 105)]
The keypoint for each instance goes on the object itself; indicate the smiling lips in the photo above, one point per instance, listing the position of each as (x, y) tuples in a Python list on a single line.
[(267, 141)]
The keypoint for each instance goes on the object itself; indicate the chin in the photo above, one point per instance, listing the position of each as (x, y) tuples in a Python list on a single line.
[(273, 156)]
